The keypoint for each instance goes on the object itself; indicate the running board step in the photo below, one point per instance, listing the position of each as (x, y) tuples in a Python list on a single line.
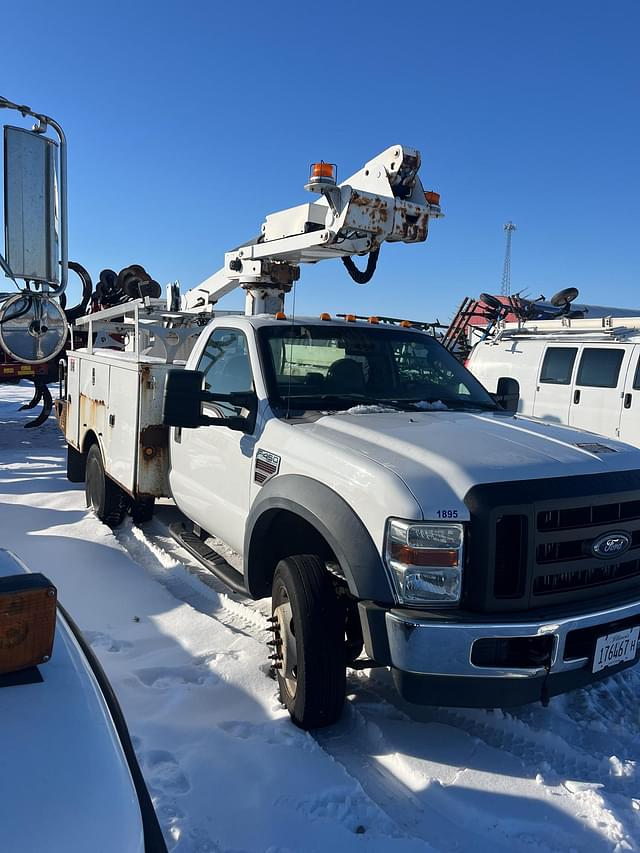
[(209, 558)]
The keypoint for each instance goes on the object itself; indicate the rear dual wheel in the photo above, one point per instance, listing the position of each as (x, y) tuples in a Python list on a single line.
[(104, 497), (309, 631)]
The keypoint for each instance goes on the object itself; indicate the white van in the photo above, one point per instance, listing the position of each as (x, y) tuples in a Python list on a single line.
[(584, 373)]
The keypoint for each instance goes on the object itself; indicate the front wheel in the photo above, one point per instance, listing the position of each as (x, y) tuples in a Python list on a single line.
[(309, 657), (104, 497)]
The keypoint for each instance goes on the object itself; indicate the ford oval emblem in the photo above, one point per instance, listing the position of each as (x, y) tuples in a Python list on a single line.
[(611, 545)]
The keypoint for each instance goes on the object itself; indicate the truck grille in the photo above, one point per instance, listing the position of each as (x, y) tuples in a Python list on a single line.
[(535, 541), (583, 578)]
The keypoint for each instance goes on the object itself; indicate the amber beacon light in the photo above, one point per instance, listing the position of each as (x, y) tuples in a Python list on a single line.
[(322, 174)]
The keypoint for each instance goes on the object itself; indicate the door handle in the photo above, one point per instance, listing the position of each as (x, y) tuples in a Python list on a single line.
[(576, 396), (627, 400)]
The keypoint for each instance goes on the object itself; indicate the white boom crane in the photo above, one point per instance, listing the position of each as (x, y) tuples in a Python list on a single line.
[(383, 201)]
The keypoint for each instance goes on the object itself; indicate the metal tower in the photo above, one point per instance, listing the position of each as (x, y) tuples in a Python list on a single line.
[(509, 228)]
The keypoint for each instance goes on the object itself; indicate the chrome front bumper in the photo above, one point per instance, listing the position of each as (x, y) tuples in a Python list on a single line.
[(425, 647)]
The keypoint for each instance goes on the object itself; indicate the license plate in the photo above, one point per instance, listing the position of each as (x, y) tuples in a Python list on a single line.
[(613, 649)]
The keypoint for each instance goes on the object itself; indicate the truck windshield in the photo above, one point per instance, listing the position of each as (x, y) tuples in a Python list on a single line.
[(336, 368)]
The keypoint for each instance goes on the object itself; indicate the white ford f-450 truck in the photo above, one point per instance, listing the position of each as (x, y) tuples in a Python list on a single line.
[(375, 490), (366, 479)]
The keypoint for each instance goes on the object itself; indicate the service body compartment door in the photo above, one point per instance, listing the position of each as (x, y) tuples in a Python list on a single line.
[(152, 448), (72, 422), (630, 412), (121, 439), (94, 396), (598, 388), (553, 391)]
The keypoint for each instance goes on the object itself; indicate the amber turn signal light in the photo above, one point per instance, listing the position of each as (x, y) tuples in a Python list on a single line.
[(438, 557), (27, 621)]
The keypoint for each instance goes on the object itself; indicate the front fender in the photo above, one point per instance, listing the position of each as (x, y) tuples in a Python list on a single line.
[(333, 518)]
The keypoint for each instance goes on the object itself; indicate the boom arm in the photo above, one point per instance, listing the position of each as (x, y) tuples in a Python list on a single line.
[(384, 201)]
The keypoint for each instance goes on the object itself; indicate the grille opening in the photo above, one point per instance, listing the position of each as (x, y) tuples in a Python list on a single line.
[(520, 652), (555, 552), (605, 513), (510, 568), (582, 643), (583, 578), (584, 516)]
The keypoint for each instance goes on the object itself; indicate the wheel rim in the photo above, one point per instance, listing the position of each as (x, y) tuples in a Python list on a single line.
[(286, 645)]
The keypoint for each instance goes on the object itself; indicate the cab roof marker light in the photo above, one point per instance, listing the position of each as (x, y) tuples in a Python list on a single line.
[(280, 315), (325, 315), (373, 320), (350, 318)]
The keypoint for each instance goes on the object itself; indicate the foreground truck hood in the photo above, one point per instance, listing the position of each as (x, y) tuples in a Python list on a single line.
[(440, 455)]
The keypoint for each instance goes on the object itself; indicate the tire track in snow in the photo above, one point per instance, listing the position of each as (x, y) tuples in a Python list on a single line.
[(360, 742)]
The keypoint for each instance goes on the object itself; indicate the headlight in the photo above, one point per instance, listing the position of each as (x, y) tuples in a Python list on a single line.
[(425, 561)]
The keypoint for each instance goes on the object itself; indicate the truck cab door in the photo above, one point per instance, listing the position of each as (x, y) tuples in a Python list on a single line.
[(553, 391), (211, 465), (598, 388), (630, 411)]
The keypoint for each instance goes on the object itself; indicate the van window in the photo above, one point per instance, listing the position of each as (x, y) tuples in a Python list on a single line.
[(557, 366), (599, 368), (636, 379)]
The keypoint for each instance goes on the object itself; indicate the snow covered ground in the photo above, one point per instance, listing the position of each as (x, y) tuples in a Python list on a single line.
[(229, 772)]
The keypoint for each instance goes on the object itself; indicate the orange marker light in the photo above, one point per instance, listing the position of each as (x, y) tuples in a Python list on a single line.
[(374, 320), (350, 318), (281, 315), (27, 621), (432, 197), (325, 316), (405, 324)]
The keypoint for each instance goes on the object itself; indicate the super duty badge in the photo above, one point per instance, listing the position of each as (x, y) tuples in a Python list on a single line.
[(267, 466)]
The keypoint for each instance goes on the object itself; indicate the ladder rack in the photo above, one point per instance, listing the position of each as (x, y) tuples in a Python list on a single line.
[(144, 327), (601, 328)]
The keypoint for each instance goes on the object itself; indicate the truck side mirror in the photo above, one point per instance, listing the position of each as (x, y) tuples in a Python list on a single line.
[(182, 403), (30, 205), (507, 393), (183, 399)]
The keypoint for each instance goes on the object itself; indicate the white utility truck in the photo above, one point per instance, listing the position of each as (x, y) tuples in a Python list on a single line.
[(582, 372), (368, 482)]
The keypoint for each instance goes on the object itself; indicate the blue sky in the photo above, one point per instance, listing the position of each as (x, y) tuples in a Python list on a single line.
[(189, 122)]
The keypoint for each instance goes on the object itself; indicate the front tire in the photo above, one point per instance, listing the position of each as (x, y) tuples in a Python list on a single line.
[(310, 641), (104, 497)]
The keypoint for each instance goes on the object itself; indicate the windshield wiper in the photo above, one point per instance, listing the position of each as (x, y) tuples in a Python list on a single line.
[(467, 404), (341, 402)]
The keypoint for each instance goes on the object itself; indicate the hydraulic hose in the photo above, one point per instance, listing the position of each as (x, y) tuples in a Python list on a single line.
[(362, 276)]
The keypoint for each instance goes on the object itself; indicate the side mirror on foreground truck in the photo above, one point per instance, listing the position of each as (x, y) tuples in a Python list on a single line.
[(183, 399), (507, 393)]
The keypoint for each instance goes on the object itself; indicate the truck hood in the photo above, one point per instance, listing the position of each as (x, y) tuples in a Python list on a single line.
[(440, 455)]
